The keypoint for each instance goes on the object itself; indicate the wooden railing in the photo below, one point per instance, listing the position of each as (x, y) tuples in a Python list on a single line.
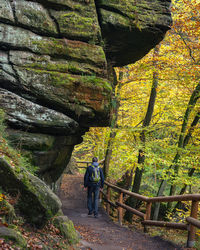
[(87, 163), (191, 222)]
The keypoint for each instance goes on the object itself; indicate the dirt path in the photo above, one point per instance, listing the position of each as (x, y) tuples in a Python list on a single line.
[(101, 233)]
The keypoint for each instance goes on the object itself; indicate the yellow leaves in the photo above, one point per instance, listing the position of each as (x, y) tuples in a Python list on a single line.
[(177, 66), (2, 197)]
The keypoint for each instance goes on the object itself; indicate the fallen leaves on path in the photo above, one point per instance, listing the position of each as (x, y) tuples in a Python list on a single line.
[(88, 234)]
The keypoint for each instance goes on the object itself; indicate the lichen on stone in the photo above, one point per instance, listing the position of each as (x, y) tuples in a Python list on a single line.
[(6, 13), (34, 17)]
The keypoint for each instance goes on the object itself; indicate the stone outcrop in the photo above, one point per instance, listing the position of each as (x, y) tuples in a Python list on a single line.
[(55, 62), (67, 230), (132, 27), (12, 235), (36, 201)]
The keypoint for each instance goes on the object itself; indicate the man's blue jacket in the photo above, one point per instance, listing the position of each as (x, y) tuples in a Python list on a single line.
[(88, 177)]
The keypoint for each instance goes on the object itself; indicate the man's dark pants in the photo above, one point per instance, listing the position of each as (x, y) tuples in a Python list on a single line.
[(92, 199)]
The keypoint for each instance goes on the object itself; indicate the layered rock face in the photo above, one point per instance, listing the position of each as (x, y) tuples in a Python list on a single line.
[(54, 61)]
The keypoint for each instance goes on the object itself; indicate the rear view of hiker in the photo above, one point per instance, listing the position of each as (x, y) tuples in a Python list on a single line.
[(93, 180)]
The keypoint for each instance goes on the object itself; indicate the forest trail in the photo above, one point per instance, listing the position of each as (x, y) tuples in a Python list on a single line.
[(102, 233)]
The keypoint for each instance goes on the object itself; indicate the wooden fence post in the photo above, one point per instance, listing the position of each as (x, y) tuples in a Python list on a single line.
[(120, 209), (192, 229), (148, 214), (108, 197), (148, 211)]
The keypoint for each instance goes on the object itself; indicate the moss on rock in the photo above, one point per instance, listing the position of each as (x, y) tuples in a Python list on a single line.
[(78, 25), (79, 95), (31, 141), (70, 49), (66, 228), (12, 235), (45, 62), (55, 53), (132, 26), (7, 211), (36, 201), (34, 17)]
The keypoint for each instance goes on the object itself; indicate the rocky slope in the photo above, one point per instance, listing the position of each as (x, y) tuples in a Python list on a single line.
[(55, 61)]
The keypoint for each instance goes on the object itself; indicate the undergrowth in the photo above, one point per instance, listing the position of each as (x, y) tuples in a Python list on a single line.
[(11, 154)]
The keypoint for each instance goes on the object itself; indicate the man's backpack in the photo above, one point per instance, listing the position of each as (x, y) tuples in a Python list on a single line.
[(96, 174)]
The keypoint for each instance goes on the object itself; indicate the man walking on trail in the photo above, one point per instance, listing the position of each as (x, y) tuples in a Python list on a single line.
[(93, 181)]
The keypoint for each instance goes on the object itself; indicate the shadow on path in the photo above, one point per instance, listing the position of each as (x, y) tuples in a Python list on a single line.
[(102, 233)]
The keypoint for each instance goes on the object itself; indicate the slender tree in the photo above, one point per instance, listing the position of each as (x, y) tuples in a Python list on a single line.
[(113, 123), (181, 144), (141, 155)]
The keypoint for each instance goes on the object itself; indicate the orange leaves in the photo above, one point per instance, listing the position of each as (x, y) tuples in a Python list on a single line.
[(6, 246), (88, 234)]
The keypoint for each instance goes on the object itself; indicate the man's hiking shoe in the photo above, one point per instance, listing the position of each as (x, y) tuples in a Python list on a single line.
[(90, 213), (96, 216)]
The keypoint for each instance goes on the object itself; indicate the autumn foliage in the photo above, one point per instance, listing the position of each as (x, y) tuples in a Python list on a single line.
[(172, 137)]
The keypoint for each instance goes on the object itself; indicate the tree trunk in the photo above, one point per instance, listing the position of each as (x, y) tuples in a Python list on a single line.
[(108, 154), (157, 204), (191, 104), (147, 120), (113, 124), (141, 156), (186, 141)]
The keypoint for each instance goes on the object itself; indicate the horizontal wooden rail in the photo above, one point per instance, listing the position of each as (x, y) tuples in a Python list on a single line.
[(132, 210), (88, 163), (193, 221), (124, 191), (180, 226), (186, 197)]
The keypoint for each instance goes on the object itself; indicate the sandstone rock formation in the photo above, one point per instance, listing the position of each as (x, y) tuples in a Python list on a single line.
[(54, 61), (36, 200)]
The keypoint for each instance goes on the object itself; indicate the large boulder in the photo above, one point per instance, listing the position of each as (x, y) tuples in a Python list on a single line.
[(12, 235), (56, 57), (36, 201)]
